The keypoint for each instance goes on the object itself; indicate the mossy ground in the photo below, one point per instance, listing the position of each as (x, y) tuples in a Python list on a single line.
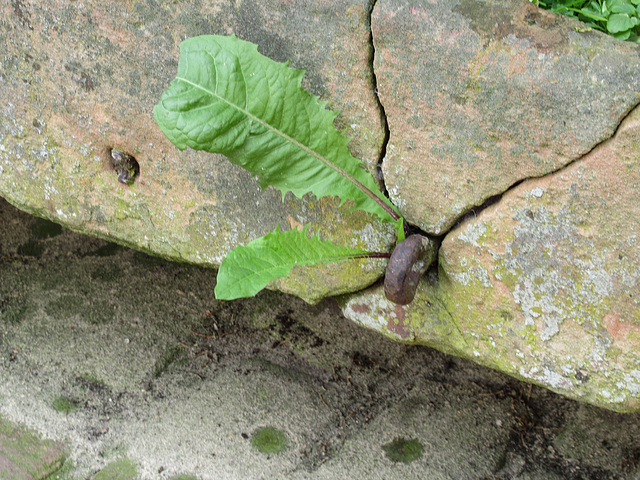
[(23, 452)]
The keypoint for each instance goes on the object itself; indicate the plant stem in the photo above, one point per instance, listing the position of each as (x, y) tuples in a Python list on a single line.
[(373, 255), (373, 196)]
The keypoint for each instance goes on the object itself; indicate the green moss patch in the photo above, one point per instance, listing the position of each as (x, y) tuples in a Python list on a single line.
[(64, 405), (405, 451), (270, 440), (65, 472), (24, 455), (118, 470)]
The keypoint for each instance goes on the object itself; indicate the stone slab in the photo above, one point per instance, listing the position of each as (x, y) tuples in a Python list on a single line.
[(480, 95), (542, 285), (80, 79)]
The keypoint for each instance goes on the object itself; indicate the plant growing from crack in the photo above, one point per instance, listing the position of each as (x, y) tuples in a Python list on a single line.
[(227, 98)]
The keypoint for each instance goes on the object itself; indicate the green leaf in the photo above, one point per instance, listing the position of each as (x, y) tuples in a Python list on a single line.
[(247, 270), (623, 8), (622, 35), (619, 22), (229, 99), (591, 15), (400, 230)]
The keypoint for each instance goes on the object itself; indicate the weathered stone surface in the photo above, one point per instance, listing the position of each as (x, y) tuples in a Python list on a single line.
[(543, 285), (482, 94), (78, 79)]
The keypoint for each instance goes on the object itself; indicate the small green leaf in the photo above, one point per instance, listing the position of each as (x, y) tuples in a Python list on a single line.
[(400, 230), (247, 270), (619, 22), (622, 35), (623, 8)]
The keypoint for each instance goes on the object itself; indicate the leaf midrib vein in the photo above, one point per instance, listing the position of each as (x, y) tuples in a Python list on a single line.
[(293, 141)]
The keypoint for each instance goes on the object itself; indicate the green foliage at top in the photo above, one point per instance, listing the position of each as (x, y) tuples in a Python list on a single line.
[(620, 18), (64, 405), (227, 98)]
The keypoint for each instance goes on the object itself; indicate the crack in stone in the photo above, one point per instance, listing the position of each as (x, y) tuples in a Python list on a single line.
[(409, 229), (492, 200), (383, 115), (387, 133)]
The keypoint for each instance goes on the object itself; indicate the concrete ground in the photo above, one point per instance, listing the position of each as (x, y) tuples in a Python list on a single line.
[(118, 365)]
